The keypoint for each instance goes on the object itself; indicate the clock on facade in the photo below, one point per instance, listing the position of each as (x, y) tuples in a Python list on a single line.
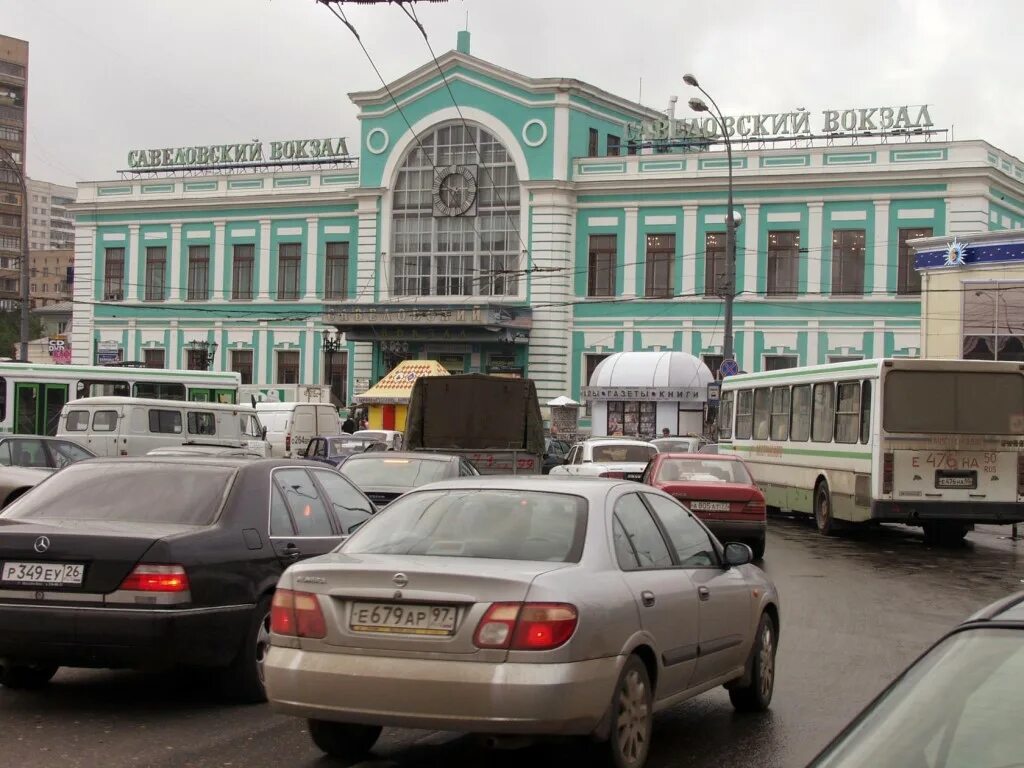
[(454, 190)]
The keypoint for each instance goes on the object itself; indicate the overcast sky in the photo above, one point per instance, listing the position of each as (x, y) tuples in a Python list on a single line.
[(108, 76)]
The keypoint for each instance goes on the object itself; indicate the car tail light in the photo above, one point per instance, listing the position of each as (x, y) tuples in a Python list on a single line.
[(617, 475), (526, 626), (755, 507), (297, 614), (156, 578), (887, 471), (287, 442), (1020, 474)]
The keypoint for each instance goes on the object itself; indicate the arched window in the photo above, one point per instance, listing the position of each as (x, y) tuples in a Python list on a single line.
[(455, 213)]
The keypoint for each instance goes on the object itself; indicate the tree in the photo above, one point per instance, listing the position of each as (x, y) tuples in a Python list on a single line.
[(10, 332)]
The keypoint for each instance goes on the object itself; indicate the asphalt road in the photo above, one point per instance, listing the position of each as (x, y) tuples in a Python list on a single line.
[(855, 611)]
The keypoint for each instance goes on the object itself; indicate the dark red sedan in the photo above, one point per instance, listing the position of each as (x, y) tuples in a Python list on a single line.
[(717, 489)]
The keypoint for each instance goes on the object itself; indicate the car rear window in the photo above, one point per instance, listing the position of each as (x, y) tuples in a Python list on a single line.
[(401, 473), (488, 523), (635, 453), (702, 471), (186, 494)]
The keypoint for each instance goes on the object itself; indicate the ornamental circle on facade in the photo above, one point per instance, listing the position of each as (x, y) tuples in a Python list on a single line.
[(541, 138), (384, 142)]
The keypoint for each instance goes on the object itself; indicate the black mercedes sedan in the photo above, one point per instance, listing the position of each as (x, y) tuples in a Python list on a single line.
[(153, 563)]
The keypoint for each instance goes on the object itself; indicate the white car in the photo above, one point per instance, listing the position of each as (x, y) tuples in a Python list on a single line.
[(394, 440), (608, 457)]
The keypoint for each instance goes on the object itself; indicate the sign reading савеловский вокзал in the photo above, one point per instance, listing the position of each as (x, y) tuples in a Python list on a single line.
[(213, 155)]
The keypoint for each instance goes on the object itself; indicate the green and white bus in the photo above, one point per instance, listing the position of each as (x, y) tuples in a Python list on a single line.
[(935, 443), (32, 396)]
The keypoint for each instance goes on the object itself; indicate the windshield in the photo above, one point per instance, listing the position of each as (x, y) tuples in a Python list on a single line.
[(954, 402), (110, 491), (958, 708), (640, 454), (403, 473), (702, 471), (500, 524)]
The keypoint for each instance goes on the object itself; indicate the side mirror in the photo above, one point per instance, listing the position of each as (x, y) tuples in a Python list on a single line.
[(263, 433), (737, 554)]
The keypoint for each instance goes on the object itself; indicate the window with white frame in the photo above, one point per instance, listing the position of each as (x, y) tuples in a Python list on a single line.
[(779, 362), (475, 253), (993, 320)]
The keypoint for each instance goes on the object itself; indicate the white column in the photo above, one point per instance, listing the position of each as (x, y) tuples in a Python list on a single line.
[(312, 350), (174, 259), (627, 336), (747, 256), (629, 254), (881, 247), (134, 288), (879, 334), (815, 248), (263, 367), (130, 339), (172, 346), (218, 259), (86, 279), (690, 256), (812, 342), (311, 258), (367, 278), (265, 255)]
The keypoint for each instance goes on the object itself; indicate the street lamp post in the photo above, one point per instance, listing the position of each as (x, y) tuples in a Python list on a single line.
[(331, 346), (207, 352), (11, 164), (732, 219)]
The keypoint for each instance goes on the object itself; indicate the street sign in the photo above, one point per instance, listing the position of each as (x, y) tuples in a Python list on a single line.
[(108, 352), (714, 392), (728, 368)]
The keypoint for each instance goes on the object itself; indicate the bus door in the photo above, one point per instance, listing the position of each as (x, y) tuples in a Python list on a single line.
[(37, 407), (198, 395)]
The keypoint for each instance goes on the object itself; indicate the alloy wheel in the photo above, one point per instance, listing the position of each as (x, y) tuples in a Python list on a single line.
[(262, 646), (633, 724), (766, 661)]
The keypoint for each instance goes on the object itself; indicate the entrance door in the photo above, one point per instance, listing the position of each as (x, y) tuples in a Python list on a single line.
[(26, 409), (388, 417), (55, 397)]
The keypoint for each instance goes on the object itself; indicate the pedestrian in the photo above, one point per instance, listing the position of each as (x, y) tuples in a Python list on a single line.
[(665, 432), (349, 425), (364, 424)]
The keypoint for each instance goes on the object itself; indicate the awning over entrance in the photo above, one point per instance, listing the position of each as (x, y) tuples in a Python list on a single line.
[(443, 323)]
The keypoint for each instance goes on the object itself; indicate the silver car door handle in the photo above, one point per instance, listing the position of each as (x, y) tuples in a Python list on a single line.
[(647, 598), (703, 593)]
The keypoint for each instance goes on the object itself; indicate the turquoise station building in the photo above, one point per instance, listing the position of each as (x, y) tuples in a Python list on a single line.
[(525, 226)]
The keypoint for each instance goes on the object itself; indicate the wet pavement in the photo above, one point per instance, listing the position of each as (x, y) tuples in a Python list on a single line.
[(855, 611)]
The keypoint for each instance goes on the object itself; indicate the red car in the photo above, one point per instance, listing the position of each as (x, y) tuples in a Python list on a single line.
[(718, 489)]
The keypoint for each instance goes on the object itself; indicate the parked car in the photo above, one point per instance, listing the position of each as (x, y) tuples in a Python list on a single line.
[(15, 481), (616, 457), (198, 451), (291, 425), (167, 572), (335, 449), (556, 452), (395, 441), (383, 477), (41, 452), (559, 607), (719, 490), (957, 706), (688, 444)]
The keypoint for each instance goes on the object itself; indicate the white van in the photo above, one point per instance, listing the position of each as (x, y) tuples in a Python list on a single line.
[(290, 426), (130, 426)]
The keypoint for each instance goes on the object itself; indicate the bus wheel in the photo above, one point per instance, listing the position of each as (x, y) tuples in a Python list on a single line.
[(823, 510), (945, 533)]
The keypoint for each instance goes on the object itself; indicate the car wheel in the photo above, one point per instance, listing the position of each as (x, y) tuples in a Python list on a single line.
[(757, 547), (632, 717), (944, 533), (823, 510), (756, 695), (344, 741), (243, 679), (26, 676)]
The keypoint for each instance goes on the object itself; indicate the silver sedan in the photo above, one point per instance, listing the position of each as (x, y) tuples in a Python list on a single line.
[(514, 606)]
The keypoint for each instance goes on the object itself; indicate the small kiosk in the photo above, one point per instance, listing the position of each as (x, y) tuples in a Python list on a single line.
[(388, 400), (640, 394)]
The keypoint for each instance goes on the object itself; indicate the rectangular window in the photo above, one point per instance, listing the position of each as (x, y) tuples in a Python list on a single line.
[(165, 422), (714, 363), (800, 426), (715, 265), (196, 359), (156, 273), (113, 275), (601, 272), (153, 358), (241, 363), (844, 358), (824, 412), (289, 263), (848, 262), (201, 423), (780, 413), (783, 263), (592, 140), (762, 413), (412, 275), (614, 145), (661, 253), (242, 262), (779, 362), (953, 403), (198, 272), (848, 412), (865, 412), (725, 415), (908, 279), (336, 276), (288, 367), (744, 414), (993, 320)]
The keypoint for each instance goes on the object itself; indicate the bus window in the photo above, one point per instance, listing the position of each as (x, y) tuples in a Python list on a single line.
[(160, 391), (848, 412), (95, 388), (762, 412), (3, 399), (201, 423), (824, 412), (744, 414), (865, 412), (199, 395), (953, 402), (780, 413), (725, 416), (801, 425)]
